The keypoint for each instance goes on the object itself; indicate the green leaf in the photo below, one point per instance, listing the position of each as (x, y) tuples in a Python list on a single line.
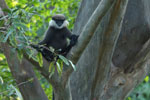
[(22, 25), (129, 98), (146, 79), (8, 34), (1, 80), (2, 23), (20, 46), (12, 40), (59, 68), (31, 54), (51, 66), (52, 72), (40, 59), (73, 66), (64, 59), (2, 37), (31, 80), (7, 10), (60, 63), (20, 55), (14, 10), (17, 93), (51, 49), (2, 18)]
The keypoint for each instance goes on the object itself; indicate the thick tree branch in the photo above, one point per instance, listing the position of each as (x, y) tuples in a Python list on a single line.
[(86, 35), (89, 29), (132, 31), (123, 83), (44, 70), (139, 57), (23, 72), (106, 50)]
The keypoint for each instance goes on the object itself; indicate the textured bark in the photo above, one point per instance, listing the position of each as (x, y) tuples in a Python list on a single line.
[(90, 27), (24, 75), (134, 33), (63, 93), (105, 70)]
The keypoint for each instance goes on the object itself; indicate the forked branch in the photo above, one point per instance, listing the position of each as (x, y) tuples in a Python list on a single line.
[(86, 35)]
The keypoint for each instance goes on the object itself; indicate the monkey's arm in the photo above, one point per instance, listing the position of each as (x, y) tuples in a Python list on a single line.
[(73, 40), (43, 46), (48, 37)]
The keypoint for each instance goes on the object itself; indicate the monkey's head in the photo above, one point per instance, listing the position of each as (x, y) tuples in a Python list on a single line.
[(58, 21)]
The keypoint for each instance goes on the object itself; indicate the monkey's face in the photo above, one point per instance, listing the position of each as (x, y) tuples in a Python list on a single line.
[(58, 22)]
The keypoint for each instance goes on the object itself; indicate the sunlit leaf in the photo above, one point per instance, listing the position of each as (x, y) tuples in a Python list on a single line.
[(59, 68), (31, 80), (64, 59), (40, 59), (20, 55), (51, 66), (51, 69), (73, 66), (21, 25), (20, 46), (14, 10), (1, 80), (7, 10), (8, 34), (129, 98), (2, 18), (146, 79), (60, 63), (17, 92)]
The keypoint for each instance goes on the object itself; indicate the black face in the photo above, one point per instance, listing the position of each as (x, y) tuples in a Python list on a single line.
[(59, 19), (59, 22)]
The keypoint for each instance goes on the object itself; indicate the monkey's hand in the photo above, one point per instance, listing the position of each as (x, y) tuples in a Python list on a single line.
[(74, 39)]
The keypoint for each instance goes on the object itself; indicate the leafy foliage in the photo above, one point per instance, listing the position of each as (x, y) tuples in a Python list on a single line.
[(6, 81), (141, 92), (58, 63), (27, 22)]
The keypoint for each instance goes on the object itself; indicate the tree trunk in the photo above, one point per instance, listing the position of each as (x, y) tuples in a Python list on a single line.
[(63, 93), (24, 75), (134, 33), (109, 68)]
